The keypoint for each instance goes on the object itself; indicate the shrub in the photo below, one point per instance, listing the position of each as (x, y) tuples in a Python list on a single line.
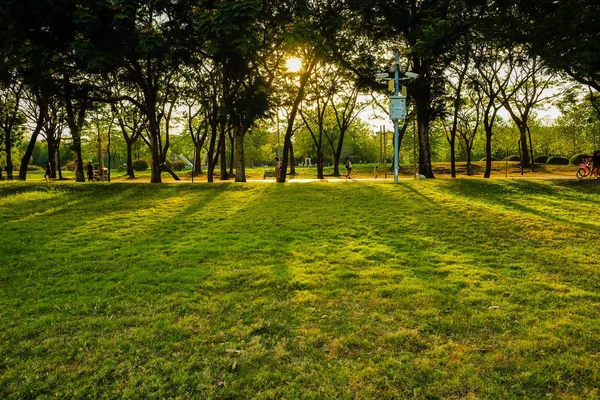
[(32, 167), (556, 160), (485, 159), (178, 165), (513, 158), (578, 158), (540, 159), (71, 166), (140, 165)]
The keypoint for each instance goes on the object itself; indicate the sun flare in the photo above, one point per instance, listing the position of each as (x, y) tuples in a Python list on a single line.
[(294, 64)]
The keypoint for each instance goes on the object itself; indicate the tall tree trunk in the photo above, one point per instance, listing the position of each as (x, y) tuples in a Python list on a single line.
[(320, 174), (524, 146), (292, 160), (223, 156), (422, 107), (531, 149), (468, 157), (233, 153), (453, 156), (130, 143), (154, 132), (210, 157), (240, 168), (488, 152), (51, 155), (60, 177), (424, 145), (198, 159)]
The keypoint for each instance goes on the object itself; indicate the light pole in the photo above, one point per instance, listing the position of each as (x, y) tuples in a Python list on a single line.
[(397, 107), (396, 128)]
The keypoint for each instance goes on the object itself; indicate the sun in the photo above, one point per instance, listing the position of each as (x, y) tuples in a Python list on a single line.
[(293, 64)]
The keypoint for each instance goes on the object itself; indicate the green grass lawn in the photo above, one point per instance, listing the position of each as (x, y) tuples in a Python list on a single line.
[(425, 289)]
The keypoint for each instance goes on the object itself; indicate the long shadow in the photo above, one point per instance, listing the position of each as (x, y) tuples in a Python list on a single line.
[(496, 194)]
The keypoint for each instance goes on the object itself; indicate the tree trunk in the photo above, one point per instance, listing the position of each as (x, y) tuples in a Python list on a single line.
[(60, 177), (233, 154), (43, 105), (524, 147), (130, 171), (488, 152), (292, 160), (531, 149), (223, 157), (452, 157), (240, 168), (198, 159), (468, 157), (424, 146), (154, 132), (320, 161), (210, 159)]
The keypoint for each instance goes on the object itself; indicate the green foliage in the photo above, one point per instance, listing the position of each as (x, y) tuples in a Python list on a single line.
[(513, 158), (33, 167), (349, 315), (493, 159), (556, 160), (578, 158), (178, 165), (140, 165), (540, 159)]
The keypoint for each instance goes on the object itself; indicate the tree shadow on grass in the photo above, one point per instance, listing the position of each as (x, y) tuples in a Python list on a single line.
[(499, 194)]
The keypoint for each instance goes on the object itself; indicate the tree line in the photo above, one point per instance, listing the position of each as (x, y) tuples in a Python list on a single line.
[(224, 64)]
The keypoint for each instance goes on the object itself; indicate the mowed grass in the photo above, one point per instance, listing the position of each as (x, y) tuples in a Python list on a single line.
[(425, 289)]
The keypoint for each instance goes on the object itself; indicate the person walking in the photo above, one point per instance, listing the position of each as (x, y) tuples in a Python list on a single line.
[(277, 169), (90, 171), (348, 168), (48, 173)]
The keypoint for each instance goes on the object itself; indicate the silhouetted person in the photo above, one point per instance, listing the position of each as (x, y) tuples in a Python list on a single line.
[(90, 171)]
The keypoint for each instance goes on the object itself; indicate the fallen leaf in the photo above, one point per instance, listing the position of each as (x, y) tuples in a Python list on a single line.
[(220, 383), (234, 366)]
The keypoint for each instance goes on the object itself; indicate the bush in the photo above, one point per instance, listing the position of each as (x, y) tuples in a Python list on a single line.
[(540, 159), (556, 160), (71, 166), (140, 165), (485, 159), (513, 158), (32, 167), (578, 158), (178, 165)]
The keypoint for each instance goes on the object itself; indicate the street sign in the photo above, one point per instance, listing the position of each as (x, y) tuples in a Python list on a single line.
[(397, 107)]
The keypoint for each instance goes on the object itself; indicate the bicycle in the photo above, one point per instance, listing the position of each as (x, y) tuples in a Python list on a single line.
[(584, 170)]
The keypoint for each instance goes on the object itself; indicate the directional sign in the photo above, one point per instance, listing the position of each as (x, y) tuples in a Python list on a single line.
[(397, 107)]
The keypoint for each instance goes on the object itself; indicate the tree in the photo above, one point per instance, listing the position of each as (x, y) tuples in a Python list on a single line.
[(534, 84), (347, 109), (12, 120), (491, 78), (321, 94), (428, 34), (469, 121)]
